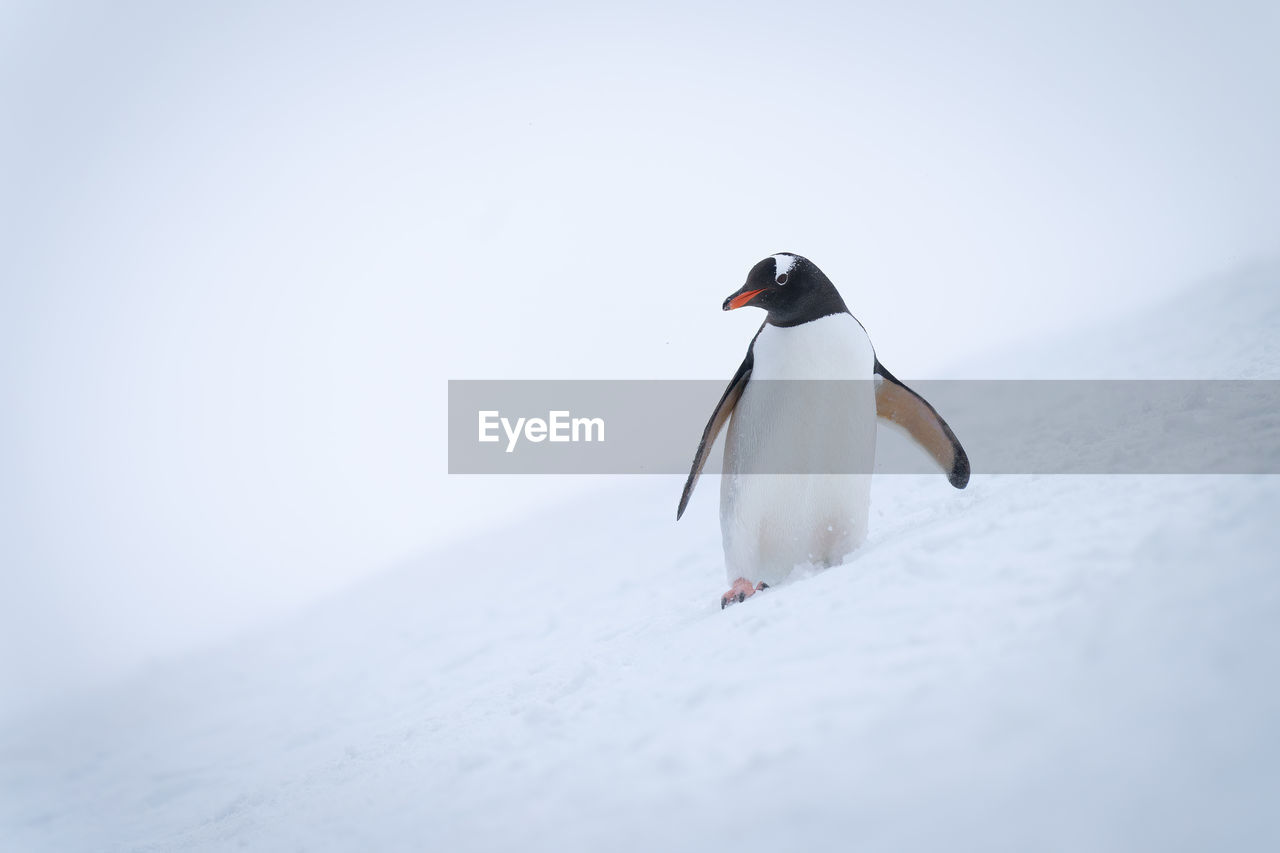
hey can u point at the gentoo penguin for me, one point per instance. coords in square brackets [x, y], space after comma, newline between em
[779, 508]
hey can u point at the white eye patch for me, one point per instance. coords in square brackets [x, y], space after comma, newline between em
[783, 265]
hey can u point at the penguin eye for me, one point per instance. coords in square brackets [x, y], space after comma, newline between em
[782, 279]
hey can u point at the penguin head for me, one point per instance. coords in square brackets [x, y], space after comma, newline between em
[791, 288]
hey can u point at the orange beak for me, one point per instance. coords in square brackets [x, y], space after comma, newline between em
[740, 299]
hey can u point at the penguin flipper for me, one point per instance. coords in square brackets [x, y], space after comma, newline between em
[718, 418]
[897, 403]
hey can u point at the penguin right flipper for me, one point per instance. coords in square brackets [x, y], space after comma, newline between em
[718, 418]
[898, 404]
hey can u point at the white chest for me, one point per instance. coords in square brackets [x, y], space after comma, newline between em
[792, 493]
[834, 347]
[800, 412]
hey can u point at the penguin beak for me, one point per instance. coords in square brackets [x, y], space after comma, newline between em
[742, 297]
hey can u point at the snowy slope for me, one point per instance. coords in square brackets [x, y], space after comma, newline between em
[1065, 663]
[1223, 328]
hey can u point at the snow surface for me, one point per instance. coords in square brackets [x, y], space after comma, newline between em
[1062, 663]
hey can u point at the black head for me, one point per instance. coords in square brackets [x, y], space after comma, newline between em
[790, 288]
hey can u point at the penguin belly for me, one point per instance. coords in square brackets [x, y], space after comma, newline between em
[773, 519]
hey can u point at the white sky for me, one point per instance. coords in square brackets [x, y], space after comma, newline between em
[243, 250]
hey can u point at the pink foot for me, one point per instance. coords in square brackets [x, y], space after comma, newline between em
[741, 591]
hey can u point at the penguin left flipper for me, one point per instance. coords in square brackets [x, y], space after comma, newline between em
[718, 418]
[898, 404]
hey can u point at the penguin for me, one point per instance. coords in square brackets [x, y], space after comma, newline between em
[779, 508]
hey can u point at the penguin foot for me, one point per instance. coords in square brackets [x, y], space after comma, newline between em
[741, 591]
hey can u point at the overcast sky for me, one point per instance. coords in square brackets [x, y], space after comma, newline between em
[243, 249]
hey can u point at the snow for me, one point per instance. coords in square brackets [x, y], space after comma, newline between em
[1081, 663]
[1221, 328]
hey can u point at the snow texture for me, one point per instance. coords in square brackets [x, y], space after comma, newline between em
[1063, 663]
